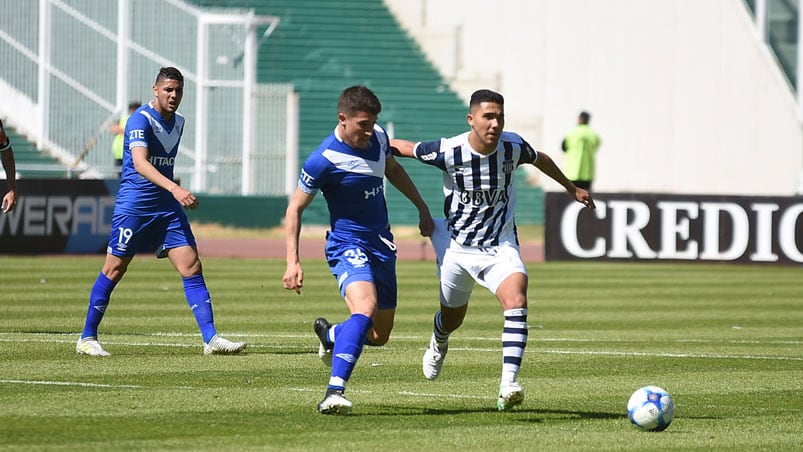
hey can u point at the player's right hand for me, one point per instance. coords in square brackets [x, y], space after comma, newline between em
[293, 278]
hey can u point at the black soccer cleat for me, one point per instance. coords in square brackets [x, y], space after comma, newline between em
[322, 327]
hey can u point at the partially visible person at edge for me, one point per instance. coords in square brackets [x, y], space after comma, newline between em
[118, 130]
[148, 216]
[477, 241]
[581, 145]
[349, 168]
[10, 168]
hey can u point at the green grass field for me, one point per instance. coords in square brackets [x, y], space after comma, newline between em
[724, 340]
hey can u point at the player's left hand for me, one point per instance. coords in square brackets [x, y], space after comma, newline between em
[184, 197]
[584, 197]
[9, 201]
[425, 223]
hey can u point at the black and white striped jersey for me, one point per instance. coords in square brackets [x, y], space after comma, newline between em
[479, 190]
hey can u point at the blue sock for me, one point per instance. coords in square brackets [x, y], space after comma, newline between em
[201, 304]
[98, 302]
[347, 350]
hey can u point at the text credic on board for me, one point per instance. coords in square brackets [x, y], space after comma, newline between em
[641, 226]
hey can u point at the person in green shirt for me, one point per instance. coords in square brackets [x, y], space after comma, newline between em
[580, 145]
[118, 129]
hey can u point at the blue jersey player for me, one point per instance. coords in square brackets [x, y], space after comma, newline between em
[148, 216]
[477, 241]
[349, 168]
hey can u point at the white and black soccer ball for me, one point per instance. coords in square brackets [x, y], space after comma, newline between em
[651, 408]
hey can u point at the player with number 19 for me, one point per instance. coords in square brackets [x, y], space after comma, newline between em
[148, 216]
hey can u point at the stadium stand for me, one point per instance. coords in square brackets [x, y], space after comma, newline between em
[30, 162]
[322, 47]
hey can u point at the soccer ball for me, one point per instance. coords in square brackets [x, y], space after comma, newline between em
[651, 408]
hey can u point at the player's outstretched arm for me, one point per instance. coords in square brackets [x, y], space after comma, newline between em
[548, 167]
[401, 180]
[402, 148]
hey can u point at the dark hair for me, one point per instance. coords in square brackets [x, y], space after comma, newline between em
[358, 98]
[134, 104]
[585, 117]
[169, 73]
[486, 95]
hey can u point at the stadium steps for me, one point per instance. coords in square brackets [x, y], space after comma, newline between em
[30, 163]
[323, 46]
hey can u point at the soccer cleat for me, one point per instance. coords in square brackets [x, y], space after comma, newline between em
[334, 403]
[433, 359]
[221, 346]
[321, 327]
[510, 395]
[90, 346]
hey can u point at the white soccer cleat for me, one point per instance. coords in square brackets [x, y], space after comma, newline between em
[334, 403]
[90, 346]
[219, 345]
[433, 359]
[510, 395]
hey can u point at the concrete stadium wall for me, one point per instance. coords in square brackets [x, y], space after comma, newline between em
[685, 96]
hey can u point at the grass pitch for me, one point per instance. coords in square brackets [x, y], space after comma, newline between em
[724, 340]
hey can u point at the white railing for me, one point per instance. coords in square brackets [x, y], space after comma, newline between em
[89, 59]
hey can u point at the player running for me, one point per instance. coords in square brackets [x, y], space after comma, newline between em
[349, 168]
[477, 241]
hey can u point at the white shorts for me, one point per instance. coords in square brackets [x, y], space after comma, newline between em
[460, 266]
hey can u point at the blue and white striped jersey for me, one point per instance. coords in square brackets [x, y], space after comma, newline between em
[479, 191]
[352, 182]
[146, 128]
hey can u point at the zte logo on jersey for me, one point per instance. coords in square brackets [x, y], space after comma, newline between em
[136, 135]
[376, 191]
[480, 197]
[306, 179]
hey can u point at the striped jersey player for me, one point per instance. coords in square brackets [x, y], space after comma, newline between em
[479, 193]
[477, 242]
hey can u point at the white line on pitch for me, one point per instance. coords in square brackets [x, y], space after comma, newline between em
[85, 385]
[534, 338]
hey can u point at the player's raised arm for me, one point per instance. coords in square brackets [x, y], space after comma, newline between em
[402, 148]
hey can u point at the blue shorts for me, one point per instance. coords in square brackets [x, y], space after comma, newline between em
[353, 259]
[132, 234]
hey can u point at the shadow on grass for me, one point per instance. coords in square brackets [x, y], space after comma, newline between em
[533, 414]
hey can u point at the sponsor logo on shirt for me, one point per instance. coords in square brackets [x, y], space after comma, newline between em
[376, 191]
[429, 156]
[483, 197]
